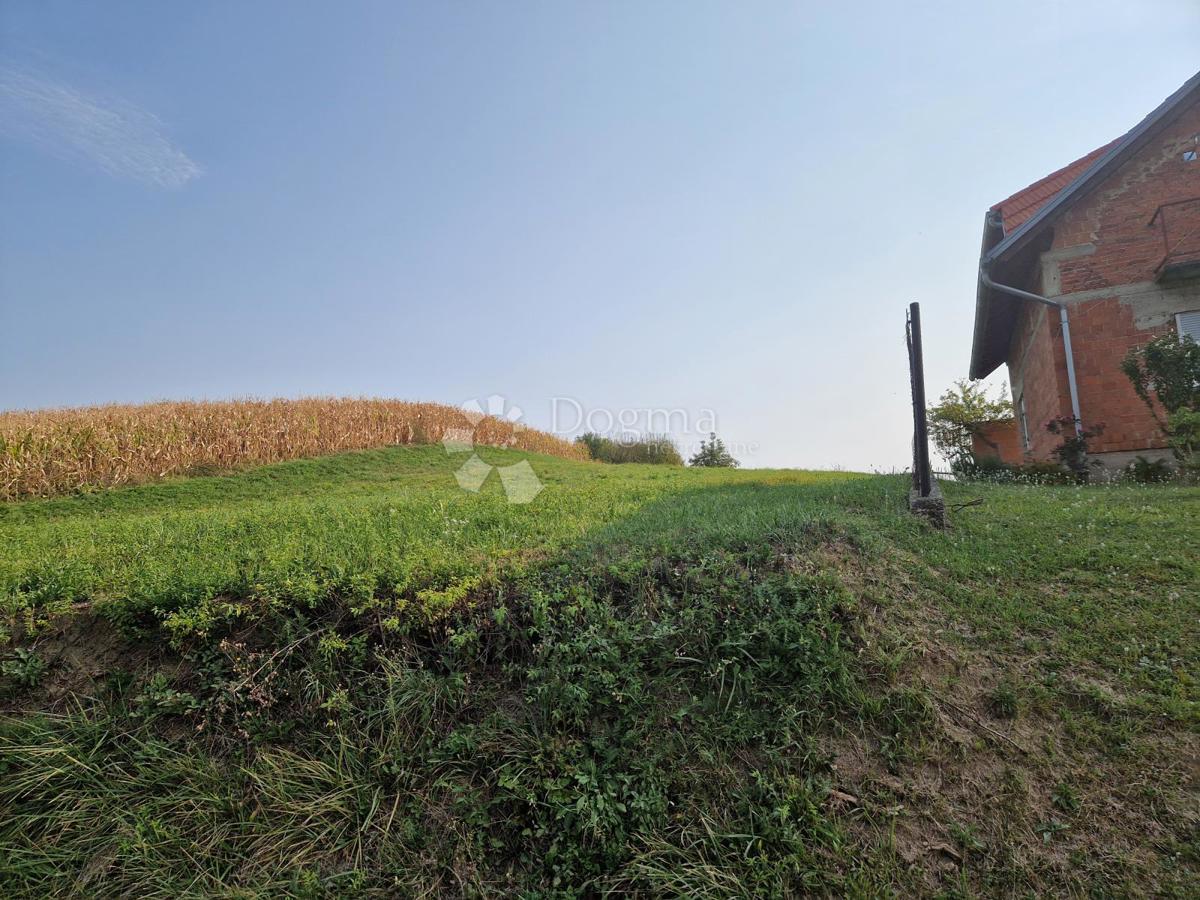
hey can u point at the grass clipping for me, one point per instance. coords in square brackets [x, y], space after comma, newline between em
[44, 453]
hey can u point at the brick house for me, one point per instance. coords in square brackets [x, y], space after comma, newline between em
[1079, 267]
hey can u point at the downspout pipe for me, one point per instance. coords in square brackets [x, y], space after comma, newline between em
[986, 280]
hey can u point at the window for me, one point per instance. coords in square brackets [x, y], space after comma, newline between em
[1188, 323]
[1024, 421]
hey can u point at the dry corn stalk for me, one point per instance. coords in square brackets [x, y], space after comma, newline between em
[55, 451]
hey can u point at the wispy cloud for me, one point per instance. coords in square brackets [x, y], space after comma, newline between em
[115, 136]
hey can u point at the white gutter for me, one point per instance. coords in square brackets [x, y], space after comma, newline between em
[1066, 333]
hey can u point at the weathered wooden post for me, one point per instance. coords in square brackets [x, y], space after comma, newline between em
[925, 497]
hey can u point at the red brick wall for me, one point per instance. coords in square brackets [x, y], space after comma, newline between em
[998, 439]
[1115, 217]
[1041, 376]
[1113, 302]
[1102, 331]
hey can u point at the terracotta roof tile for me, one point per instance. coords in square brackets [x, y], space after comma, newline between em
[1025, 203]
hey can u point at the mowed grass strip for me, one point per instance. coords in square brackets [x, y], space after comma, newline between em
[388, 524]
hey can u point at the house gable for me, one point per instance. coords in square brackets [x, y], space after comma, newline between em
[1118, 233]
[1011, 249]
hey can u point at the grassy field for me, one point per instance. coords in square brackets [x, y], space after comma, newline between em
[348, 677]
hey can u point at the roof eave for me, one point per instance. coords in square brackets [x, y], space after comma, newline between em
[981, 365]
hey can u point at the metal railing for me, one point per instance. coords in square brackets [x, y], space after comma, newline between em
[1179, 222]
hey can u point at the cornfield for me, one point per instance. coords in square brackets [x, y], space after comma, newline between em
[56, 451]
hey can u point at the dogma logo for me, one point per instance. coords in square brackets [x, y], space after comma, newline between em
[519, 481]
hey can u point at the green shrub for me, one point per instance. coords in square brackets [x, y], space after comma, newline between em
[1072, 452]
[712, 454]
[1166, 374]
[595, 444]
[21, 669]
[1183, 434]
[1148, 471]
[1166, 369]
[654, 449]
[985, 468]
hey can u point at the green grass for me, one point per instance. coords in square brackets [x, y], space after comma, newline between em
[1107, 576]
[347, 676]
[388, 523]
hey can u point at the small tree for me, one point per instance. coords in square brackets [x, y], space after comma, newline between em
[959, 415]
[712, 454]
[1166, 375]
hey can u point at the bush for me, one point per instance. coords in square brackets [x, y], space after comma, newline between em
[653, 449]
[1146, 471]
[712, 454]
[1183, 435]
[1073, 451]
[1072, 454]
[1167, 370]
[985, 468]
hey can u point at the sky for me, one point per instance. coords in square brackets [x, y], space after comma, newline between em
[707, 216]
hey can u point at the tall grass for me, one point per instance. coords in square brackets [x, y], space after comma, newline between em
[56, 451]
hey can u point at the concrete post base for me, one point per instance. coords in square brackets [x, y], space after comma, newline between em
[932, 507]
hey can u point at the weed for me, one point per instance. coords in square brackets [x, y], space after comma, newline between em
[159, 698]
[1147, 471]
[22, 667]
[966, 837]
[1003, 702]
[1048, 829]
[1066, 798]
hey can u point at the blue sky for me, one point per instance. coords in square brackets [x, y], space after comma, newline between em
[686, 206]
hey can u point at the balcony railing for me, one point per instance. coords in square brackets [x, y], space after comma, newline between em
[1179, 222]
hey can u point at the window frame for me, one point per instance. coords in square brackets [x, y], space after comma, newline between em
[1179, 332]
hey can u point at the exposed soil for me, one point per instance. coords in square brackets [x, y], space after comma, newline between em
[80, 651]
